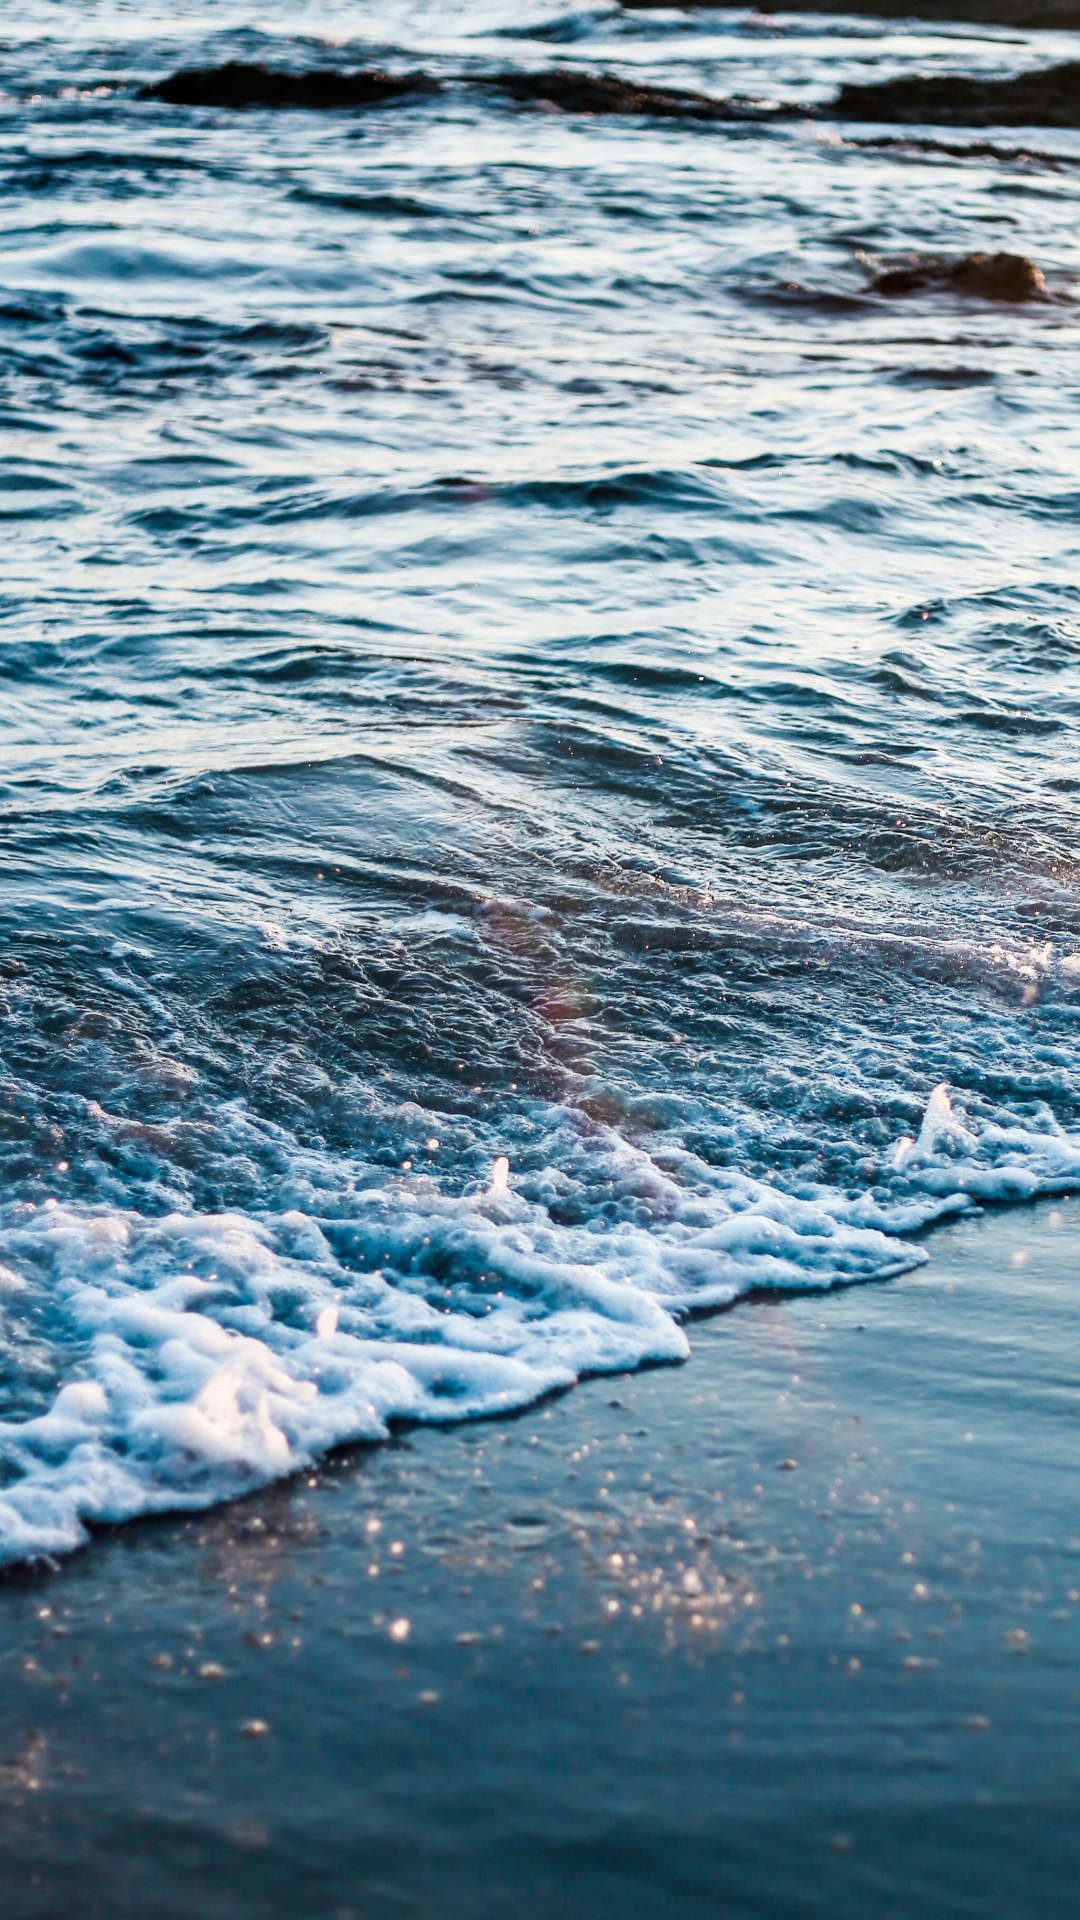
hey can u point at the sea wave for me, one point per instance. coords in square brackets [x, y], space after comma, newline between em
[205, 1354]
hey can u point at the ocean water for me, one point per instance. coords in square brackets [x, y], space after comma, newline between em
[538, 768]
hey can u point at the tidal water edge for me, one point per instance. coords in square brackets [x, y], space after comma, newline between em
[791, 1631]
[538, 793]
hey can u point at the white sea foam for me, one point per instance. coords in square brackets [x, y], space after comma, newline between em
[994, 1162]
[207, 1354]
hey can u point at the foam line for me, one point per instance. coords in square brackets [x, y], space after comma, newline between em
[209, 1354]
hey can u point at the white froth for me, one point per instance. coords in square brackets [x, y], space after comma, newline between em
[212, 1353]
[1006, 1163]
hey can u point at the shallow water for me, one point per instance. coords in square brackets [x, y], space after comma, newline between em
[510, 651]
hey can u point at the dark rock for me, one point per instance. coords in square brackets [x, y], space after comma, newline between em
[1062, 15]
[994, 276]
[998, 276]
[236, 85]
[323, 88]
[899, 280]
[1047, 98]
[604, 93]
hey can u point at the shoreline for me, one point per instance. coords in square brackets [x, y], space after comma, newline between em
[733, 1631]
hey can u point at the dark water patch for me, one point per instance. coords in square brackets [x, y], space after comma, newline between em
[854, 515]
[1049, 97]
[599, 497]
[97, 348]
[752, 463]
[993, 720]
[604, 494]
[948, 378]
[564, 31]
[970, 149]
[500, 290]
[32, 311]
[897, 677]
[96, 169]
[1061, 505]
[640, 673]
[394, 206]
[1048, 645]
[797, 294]
[982, 612]
[198, 468]
[20, 477]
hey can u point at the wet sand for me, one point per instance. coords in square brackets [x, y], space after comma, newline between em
[791, 1630]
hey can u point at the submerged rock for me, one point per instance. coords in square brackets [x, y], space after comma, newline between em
[237, 85]
[605, 93]
[1047, 98]
[1063, 15]
[994, 276]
